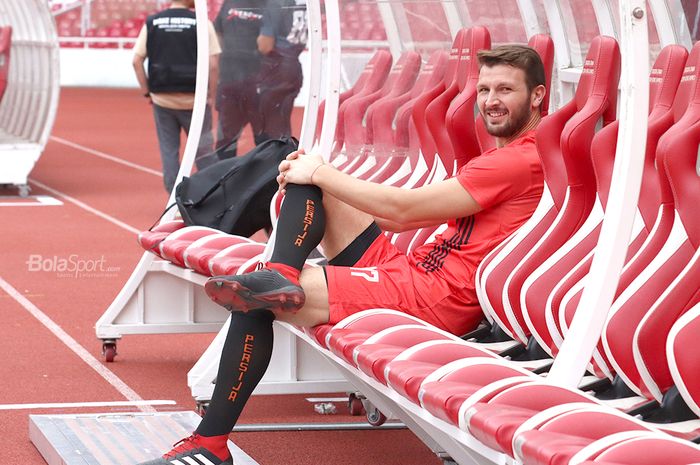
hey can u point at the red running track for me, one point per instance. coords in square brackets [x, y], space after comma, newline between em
[102, 163]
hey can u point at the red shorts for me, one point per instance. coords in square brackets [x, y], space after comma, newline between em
[385, 278]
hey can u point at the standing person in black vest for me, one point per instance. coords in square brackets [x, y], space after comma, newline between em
[238, 26]
[169, 40]
[282, 38]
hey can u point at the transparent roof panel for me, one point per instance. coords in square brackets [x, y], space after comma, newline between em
[361, 20]
[654, 42]
[424, 24]
[581, 26]
[501, 17]
[692, 15]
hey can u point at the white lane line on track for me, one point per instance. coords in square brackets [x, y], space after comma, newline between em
[106, 156]
[73, 345]
[86, 207]
[119, 403]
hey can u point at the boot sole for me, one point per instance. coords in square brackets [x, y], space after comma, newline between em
[232, 295]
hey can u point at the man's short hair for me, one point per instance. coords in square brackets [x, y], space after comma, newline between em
[517, 56]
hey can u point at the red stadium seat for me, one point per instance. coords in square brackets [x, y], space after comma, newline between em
[201, 251]
[429, 113]
[431, 78]
[375, 353]
[360, 110]
[173, 247]
[407, 371]
[563, 140]
[426, 141]
[656, 209]
[373, 75]
[683, 361]
[650, 450]
[636, 348]
[380, 114]
[371, 80]
[5, 45]
[229, 260]
[577, 252]
[439, 114]
[151, 239]
[566, 435]
[459, 117]
[347, 334]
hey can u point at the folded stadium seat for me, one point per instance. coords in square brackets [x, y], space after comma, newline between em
[406, 372]
[560, 439]
[198, 254]
[372, 356]
[375, 70]
[355, 118]
[173, 247]
[683, 362]
[544, 46]
[344, 336]
[649, 450]
[563, 140]
[576, 254]
[5, 44]
[532, 421]
[151, 239]
[229, 260]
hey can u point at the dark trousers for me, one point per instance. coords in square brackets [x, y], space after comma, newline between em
[169, 123]
[237, 102]
[280, 81]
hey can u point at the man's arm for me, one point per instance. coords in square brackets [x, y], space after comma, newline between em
[270, 22]
[431, 204]
[214, 54]
[213, 78]
[392, 226]
[140, 54]
[138, 63]
[266, 44]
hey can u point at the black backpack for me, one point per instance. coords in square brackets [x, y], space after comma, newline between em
[233, 195]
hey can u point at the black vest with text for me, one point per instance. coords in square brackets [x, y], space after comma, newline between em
[172, 51]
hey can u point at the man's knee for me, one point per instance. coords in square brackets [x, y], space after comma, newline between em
[316, 309]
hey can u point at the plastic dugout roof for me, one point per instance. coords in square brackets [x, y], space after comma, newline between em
[426, 25]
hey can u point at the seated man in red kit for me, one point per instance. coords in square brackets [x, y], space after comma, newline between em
[488, 199]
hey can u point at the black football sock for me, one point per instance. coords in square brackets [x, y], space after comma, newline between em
[244, 359]
[300, 227]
